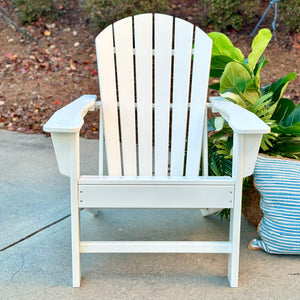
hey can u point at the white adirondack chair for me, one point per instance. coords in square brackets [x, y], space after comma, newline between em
[153, 74]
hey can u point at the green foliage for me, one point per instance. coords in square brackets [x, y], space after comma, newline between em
[240, 80]
[240, 83]
[226, 14]
[30, 10]
[290, 14]
[105, 12]
[287, 116]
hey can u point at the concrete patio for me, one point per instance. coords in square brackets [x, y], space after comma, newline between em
[35, 257]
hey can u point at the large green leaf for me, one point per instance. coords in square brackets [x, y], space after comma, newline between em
[284, 108]
[259, 45]
[217, 65]
[292, 130]
[262, 62]
[251, 96]
[289, 147]
[293, 118]
[216, 123]
[260, 103]
[235, 98]
[252, 90]
[223, 46]
[234, 80]
[278, 87]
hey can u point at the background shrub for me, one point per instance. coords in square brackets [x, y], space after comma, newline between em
[30, 10]
[105, 12]
[226, 14]
[290, 14]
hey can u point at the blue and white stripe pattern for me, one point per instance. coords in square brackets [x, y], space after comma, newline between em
[278, 181]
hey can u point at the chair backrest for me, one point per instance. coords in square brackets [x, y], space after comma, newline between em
[153, 75]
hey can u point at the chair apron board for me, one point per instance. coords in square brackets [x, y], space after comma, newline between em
[149, 192]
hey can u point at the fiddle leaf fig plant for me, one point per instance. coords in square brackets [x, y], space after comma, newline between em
[240, 82]
[240, 79]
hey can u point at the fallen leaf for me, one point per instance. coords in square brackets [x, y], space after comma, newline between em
[72, 65]
[47, 32]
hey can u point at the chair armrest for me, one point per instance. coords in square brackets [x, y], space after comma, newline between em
[239, 119]
[69, 119]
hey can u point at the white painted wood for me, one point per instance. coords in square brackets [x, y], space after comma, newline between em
[200, 75]
[101, 142]
[160, 191]
[75, 212]
[154, 195]
[63, 143]
[108, 93]
[205, 146]
[154, 247]
[252, 145]
[70, 117]
[155, 180]
[125, 75]
[239, 119]
[143, 59]
[183, 36]
[238, 158]
[206, 211]
[244, 122]
[163, 30]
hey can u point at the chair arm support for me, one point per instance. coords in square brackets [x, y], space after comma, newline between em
[69, 119]
[239, 119]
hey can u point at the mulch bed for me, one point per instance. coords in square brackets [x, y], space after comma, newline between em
[36, 80]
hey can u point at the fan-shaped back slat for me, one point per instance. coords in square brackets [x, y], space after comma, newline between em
[146, 73]
[108, 93]
[125, 76]
[201, 63]
[181, 81]
[143, 60]
[163, 31]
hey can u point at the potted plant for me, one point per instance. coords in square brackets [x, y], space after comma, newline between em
[239, 81]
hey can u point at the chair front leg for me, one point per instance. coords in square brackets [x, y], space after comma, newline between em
[75, 212]
[235, 213]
